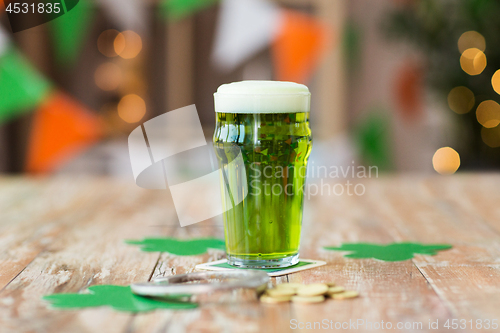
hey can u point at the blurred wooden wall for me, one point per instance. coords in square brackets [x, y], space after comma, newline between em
[177, 69]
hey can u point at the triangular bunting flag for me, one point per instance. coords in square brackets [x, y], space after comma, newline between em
[179, 9]
[3, 5]
[127, 14]
[299, 47]
[245, 27]
[61, 129]
[21, 86]
[69, 32]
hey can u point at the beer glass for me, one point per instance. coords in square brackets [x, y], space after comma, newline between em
[267, 122]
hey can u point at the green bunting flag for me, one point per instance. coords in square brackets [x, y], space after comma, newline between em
[22, 87]
[179, 9]
[69, 31]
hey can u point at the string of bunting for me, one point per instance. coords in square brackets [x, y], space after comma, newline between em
[63, 128]
[298, 41]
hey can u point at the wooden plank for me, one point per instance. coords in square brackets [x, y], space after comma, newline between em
[472, 197]
[34, 215]
[449, 210]
[78, 227]
[90, 251]
[331, 74]
[179, 63]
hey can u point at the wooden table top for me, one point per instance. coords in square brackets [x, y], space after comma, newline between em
[61, 235]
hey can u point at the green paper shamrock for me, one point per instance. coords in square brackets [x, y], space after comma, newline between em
[119, 298]
[390, 252]
[179, 247]
[373, 139]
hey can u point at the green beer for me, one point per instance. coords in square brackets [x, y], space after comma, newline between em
[263, 230]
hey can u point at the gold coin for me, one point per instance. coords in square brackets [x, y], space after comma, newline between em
[308, 300]
[346, 295]
[274, 300]
[314, 289]
[290, 285]
[335, 290]
[281, 292]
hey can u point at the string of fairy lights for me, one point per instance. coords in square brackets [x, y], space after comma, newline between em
[462, 100]
[120, 73]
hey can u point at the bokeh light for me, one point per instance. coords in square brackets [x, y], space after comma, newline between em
[446, 161]
[473, 61]
[495, 81]
[488, 114]
[108, 76]
[105, 42]
[131, 108]
[128, 44]
[491, 136]
[461, 99]
[471, 39]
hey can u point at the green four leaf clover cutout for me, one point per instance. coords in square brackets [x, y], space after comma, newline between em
[119, 298]
[179, 247]
[389, 252]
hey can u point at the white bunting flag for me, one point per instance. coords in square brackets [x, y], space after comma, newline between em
[245, 27]
[4, 40]
[127, 14]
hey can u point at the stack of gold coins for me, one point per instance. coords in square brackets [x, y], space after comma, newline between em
[306, 293]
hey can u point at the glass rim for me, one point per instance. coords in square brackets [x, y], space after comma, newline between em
[263, 94]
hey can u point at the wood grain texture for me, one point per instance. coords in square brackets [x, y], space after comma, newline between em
[390, 291]
[460, 211]
[63, 235]
[87, 250]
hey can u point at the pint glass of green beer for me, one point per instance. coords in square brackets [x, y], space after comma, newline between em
[267, 122]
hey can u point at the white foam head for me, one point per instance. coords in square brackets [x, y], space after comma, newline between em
[262, 97]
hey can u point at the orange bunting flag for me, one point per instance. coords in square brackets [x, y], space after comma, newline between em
[299, 47]
[62, 128]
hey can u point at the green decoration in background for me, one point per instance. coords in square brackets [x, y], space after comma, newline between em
[372, 136]
[390, 252]
[433, 28]
[179, 9]
[21, 87]
[70, 4]
[69, 31]
[119, 298]
[351, 43]
[179, 247]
